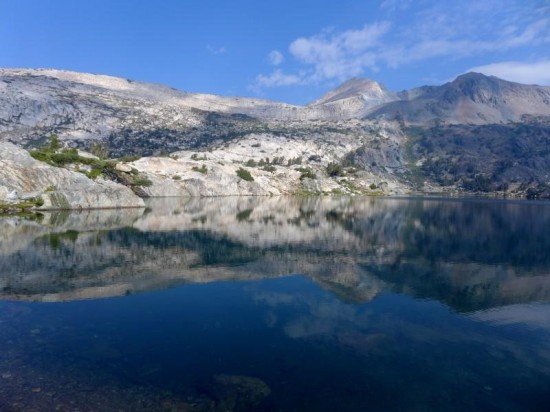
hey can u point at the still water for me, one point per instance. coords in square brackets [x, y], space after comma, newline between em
[278, 304]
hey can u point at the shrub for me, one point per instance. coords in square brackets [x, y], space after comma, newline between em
[373, 186]
[203, 169]
[334, 169]
[142, 181]
[65, 157]
[295, 161]
[54, 142]
[277, 160]
[195, 156]
[54, 158]
[41, 155]
[92, 174]
[244, 174]
[306, 173]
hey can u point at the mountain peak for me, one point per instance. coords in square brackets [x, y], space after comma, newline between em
[366, 89]
[471, 76]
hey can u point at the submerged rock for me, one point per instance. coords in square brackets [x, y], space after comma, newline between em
[238, 393]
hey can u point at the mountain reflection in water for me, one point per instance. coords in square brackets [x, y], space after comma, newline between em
[348, 304]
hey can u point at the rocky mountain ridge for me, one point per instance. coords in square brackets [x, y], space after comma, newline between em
[471, 98]
[358, 138]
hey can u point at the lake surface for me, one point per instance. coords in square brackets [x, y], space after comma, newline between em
[278, 304]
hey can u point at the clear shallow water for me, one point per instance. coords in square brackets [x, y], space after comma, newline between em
[278, 305]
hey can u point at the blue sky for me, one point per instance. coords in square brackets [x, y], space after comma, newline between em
[286, 50]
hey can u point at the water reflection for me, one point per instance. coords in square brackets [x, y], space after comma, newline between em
[471, 255]
[275, 304]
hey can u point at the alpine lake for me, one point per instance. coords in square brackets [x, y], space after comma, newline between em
[278, 304]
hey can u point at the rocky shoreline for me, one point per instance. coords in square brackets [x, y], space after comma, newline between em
[257, 165]
[26, 183]
[30, 184]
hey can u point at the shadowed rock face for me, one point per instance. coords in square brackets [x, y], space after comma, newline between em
[471, 255]
[472, 98]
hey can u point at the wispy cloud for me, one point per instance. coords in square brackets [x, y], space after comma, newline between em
[277, 78]
[216, 50]
[339, 55]
[434, 30]
[275, 57]
[330, 56]
[530, 73]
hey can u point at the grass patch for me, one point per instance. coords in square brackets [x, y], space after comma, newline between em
[22, 206]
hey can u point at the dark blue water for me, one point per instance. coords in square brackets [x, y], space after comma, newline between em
[278, 305]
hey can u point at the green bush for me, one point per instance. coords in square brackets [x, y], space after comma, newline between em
[334, 169]
[141, 181]
[373, 186]
[203, 169]
[56, 158]
[295, 161]
[41, 155]
[92, 174]
[195, 156]
[54, 142]
[244, 174]
[67, 156]
[306, 173]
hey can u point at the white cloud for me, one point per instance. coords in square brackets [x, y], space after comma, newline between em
[216, 50]
[339, 55]
[529, 73]
[278, 78]
[275, 57]
[430, 30]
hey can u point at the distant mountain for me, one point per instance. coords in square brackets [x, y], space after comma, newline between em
[357, 95]
[472, 98]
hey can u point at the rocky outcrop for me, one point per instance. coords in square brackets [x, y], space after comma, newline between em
[278, 165]
[23, 178]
